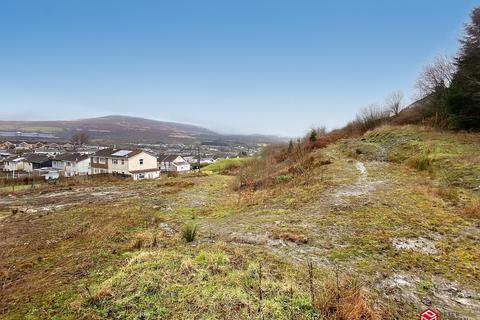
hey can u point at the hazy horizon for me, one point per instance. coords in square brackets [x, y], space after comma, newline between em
[270, 67]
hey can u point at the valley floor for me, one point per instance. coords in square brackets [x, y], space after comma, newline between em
[387, 240]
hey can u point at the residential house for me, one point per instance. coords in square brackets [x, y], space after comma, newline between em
[13, 163]
[49, 152]
[36, 161]
[4, 154]
[72, 164]
[173, 163]
[68, 146]
[38, 145]
[23, 147]
[7, 145]
[137, 163]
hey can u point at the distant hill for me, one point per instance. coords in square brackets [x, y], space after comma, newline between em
[123, 129]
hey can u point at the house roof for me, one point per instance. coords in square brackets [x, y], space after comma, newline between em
[167, 157]
[144, 170]
[180, 163]
[117, 153]
[14, 158]
[5, 154]
[74, 157]
[36, 158]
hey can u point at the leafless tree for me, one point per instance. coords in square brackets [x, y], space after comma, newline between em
[79, 138]
[371, 117]
[394, 103]
[435, 77]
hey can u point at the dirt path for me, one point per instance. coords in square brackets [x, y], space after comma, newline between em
[252, 228]
[342, 196]
[328, 227]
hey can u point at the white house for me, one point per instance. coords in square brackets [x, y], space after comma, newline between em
[72, 164]
[13, 163]
[137, 163]
[173, 163]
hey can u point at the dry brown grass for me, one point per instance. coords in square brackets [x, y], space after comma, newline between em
[346, 299]
[290, 236]
[472, 210]
[446, 193]
[329, 138]
[150, 239]
[173, 185]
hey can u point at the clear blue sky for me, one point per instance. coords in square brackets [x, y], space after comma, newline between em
[239, 66]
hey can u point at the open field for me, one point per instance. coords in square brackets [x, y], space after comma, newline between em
[398, 232]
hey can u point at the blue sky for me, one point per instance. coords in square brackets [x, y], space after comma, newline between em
[249, 66]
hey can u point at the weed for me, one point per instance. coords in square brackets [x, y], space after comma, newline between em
[189, 231]
[424, 286]
[282, 178]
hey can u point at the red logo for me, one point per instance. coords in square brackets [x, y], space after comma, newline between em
[429, 314]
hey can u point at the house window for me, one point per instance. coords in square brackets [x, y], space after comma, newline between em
[140, 161]
[123, 161]
[101, 160]
[97, 161]
[115, 161]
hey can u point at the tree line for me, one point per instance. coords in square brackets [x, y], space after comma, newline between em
[450, 87]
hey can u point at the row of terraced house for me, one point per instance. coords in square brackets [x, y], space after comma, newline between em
[139, 164]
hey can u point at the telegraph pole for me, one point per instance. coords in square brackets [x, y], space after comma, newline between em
[198, 157]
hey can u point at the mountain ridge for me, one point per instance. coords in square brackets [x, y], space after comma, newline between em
[121, 128]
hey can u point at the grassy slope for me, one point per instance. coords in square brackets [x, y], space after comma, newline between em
[127, 260]
[225, 164]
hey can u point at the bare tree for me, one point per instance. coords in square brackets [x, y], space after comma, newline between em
[432, 85]
[79, 138]
[371, 117]
[394, 103]
[435, 77]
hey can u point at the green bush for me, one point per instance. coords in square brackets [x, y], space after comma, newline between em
[189, 231]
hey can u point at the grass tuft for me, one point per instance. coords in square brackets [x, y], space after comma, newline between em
[189, 231]
[421, 163]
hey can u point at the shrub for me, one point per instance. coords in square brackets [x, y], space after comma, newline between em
[328, 138]
[371, 117]
[189, 231]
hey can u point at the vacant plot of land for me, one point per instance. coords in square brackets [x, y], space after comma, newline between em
[362, 237]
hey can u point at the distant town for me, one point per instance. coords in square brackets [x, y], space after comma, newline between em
[27, 157]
